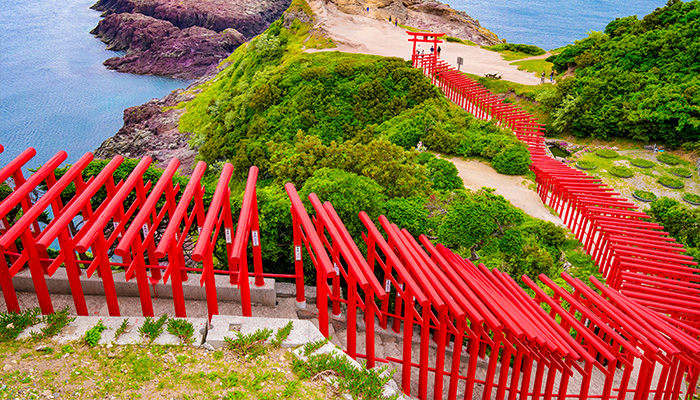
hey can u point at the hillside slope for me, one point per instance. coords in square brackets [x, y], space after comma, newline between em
[640, 79]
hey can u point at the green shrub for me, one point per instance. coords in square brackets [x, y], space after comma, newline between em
[409, 213]
[644, 195]
[444, 175]
[669, 159]
[520, 48]
[12, 324]
[583, 164]
[691, 146]
[349, 194]
[671, 182]
[152, 328]
[620, 171]
[642, 163]
[682, 172]
[94, 334]
[181, 328]
[513, 160]
[692, 198]
[605, 153]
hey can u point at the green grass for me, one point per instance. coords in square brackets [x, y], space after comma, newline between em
[181, 328]
[645, 195]
[151, 328]
[412, 29]
[94, 334]
[452, 39]
[134, 371]
[535, 66]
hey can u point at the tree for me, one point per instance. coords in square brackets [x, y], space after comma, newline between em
[348, 193]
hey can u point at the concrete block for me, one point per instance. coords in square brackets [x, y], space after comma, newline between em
[75, 330]
[27, 333]
[286, 290]
[226, 326]
[192, 289]
[200, 331]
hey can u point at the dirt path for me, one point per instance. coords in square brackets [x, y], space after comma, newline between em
[476, 174]
[359, 34]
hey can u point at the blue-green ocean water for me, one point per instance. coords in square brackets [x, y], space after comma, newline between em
[550, 23]
[55, 94]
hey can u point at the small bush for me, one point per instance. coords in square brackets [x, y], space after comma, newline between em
[520, 48]
[682, 172]
[282, 334]
[94, 334]
[252, 345]
[181, 328]
[586, 165]
[643, 195]
[122, 328]
[151, 328]
[513, 160]
[691, 146]
[671, 182]
[642, 163]
[605, 153]
[691, 198]
[669, 159]
[54, 324]
[621, 172]
[12, 324]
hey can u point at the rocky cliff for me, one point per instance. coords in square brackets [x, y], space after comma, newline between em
[151, 129]
[180, 38]
[428, 15]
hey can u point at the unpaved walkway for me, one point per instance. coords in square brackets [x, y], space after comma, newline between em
[515, 189]
[360, 34]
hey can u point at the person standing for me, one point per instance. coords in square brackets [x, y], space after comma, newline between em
[438, 51]
[390, 18]
[396, 21]
[551, 76]
[432, 50]
[544, 73]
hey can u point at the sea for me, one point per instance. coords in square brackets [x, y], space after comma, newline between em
[55, 94]
[550, 24]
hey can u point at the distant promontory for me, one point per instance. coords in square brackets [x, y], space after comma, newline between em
[180, 38]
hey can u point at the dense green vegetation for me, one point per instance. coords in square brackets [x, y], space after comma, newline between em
[344, 126]
[640, 79]
[681, 221]
[517, 48]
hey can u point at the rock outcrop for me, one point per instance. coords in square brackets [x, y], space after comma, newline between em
[180, 38]
[151, 129]
[428, 15]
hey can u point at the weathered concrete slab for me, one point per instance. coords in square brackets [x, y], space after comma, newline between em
[75, 331]
[223, 326]
[192, 289]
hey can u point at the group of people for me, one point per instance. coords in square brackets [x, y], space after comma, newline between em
[432, 50]
[396, 20]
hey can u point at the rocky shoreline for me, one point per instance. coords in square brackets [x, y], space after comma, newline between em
[182, 39]
[187, 39]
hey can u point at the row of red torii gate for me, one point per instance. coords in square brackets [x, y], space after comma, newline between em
[636, 336]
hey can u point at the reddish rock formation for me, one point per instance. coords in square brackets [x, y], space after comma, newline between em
[180, 38]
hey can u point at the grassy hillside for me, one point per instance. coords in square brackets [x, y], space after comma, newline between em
[640, 79]
[344, 126]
